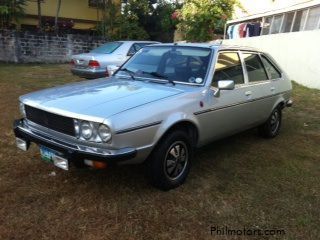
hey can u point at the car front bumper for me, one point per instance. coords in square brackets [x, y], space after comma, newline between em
[73, 152]
[89, 73]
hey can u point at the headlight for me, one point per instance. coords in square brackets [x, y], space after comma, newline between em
[86, 130]
[104, 133]
[22, 110]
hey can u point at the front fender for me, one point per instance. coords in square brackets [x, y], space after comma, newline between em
[172, 120]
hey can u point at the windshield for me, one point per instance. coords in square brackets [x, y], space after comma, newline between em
[107, 48]
[172, 63]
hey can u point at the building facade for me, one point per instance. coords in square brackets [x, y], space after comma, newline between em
[290, 34]
[80, 15]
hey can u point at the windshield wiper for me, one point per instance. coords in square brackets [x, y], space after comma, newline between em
[160, 76]
[131, 73]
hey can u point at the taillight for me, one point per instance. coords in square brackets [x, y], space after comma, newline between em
[72, 62]
[94, 64]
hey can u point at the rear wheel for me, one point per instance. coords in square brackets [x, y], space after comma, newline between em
[169, 164]
[271, 127]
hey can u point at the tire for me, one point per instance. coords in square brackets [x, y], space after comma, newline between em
[169, 164]
[271, 127]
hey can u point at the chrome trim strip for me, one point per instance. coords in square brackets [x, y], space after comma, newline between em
[239, 103]
[138, 127]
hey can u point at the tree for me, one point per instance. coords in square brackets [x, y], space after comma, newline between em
[11, 10]
[159, 24]
[200, 19]
[39, 14]
[56, 26]
[154, 16]
[139, 19]
[116, 25]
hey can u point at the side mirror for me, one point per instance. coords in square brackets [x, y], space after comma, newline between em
[224, 85]
[130, 54]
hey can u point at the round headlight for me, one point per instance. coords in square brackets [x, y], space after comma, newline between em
[86, 130]
[104, 133]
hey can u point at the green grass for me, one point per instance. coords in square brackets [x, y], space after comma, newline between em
[241, 181]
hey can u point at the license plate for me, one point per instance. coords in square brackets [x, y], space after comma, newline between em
[55, 157]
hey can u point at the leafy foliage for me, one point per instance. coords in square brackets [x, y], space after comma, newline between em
[200, 19]
[160, 24]
[140, 19]
[11, 10]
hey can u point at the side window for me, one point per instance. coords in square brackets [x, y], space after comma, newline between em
[138, 46]
[255, 69]
[228, 67]
[132, 50]
[271, 69]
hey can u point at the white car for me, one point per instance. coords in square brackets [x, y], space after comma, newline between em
[104, 60]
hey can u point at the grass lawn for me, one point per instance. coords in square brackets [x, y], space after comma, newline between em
[242, 181]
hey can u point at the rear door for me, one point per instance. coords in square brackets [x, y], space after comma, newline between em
[260, 87]
[274, 75]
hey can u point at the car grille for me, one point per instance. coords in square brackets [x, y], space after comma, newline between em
[50, 120]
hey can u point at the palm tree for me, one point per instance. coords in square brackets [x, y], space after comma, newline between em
[57, 15]
[39, 15]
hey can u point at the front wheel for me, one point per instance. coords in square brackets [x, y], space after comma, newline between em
[169, 164]
[271, 127]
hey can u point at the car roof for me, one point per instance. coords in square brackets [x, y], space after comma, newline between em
[216, 46]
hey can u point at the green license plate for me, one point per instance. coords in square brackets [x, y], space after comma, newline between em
[55, 157]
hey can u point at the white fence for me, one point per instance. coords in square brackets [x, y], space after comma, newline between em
[298, 53]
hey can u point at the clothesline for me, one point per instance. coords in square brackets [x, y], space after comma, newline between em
[243, 30]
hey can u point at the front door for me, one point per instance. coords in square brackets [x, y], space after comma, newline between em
[231, 111]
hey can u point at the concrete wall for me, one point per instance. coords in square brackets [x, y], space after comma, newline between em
[298, 53]
[43, 48]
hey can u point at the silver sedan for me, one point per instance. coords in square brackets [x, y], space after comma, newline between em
[104, 60]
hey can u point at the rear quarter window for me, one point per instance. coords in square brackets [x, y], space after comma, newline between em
[273, 72]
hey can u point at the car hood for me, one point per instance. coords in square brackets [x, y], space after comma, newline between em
[98, 99]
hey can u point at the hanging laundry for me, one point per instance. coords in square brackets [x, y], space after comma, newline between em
[235, 33]
[242, 30]
[256, 29]
[250, 30]
[230, 31]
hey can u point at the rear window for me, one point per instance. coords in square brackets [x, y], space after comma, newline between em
[107, 48]
[271, 69]
[254, 67]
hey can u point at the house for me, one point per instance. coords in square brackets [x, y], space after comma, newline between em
[290, 33]
[79, 15]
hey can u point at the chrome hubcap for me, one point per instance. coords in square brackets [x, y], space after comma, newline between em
[176, 160]
[275, 121]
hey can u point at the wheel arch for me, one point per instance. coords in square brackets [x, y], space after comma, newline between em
[187, 125]
[281, 102]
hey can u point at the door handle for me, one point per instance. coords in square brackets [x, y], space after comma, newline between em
[248, 93]
[272, 89]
